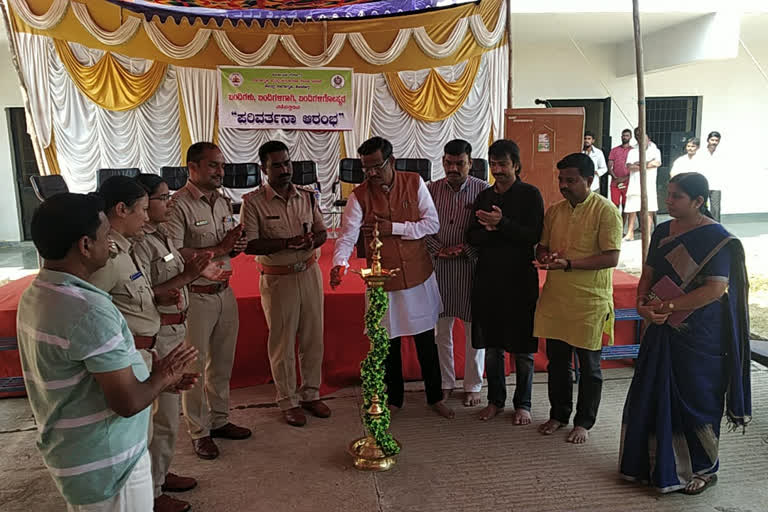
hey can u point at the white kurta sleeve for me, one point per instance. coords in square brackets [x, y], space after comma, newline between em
[428, 223]
[351, 221]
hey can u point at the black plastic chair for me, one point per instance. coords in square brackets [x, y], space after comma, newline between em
[422, 166]
[46, 187]
[479, 169]
[175, 177]
[241, 175]
[104, 174]
[304, 173]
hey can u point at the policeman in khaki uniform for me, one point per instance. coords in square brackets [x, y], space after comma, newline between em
[169, 275]
[126, 279]
[284, 228]
[201, 220]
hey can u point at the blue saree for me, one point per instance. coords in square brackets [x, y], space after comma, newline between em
[686, 377]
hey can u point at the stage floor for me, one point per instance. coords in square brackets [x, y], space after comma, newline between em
[345, 343]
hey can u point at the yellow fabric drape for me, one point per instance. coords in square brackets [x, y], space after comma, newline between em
[107, 83]
[51, 157]
[436, 99]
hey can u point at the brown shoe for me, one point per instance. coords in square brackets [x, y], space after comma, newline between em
[231, 431]
[205, 448]
[295, 417]
[165, 503]
[176, 483]
[317, 408]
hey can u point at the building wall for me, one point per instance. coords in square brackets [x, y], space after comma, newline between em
[734, 101]
[10, 96]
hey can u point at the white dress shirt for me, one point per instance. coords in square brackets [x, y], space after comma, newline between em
[685, 164]
[711, 166]
[598, 158]
[633, 188]
[413, 310]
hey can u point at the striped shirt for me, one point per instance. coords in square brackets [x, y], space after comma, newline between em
[454, 276]
[67, 331]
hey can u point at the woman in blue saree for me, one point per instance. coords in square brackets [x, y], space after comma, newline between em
[687, 375]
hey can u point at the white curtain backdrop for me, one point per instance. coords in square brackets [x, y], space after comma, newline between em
[498, 79]
[362, 92]
[89, 137]
[199, 93]
[417, 139]
[240, 146]
[34, 52]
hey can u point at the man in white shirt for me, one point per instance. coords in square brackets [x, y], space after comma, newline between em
[401, 205]
[690, 161]
[652, 163]
[712, 167]
[598, 158]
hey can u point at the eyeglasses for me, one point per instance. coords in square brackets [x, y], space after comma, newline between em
[161, 197]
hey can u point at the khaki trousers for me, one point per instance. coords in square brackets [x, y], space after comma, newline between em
[293, 305]
[165, 420]
[212, 322]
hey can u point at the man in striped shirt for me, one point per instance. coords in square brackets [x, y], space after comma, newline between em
[454, 197]
[88, 387]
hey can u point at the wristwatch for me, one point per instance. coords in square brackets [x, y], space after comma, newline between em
[567, 266]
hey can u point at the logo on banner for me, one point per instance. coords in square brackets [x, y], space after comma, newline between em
[236, 79]
[337, 81]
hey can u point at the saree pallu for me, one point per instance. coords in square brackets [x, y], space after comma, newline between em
[687, 376]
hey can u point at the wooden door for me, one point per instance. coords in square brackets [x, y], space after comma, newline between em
[545, 136]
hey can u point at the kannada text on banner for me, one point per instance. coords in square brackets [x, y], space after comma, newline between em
[286, 98]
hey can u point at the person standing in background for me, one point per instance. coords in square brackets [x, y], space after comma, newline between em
[712, 167]
[688, 162]
[598, 158]
[617, 168]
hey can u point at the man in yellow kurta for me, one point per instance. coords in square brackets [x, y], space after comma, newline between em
[579, 247]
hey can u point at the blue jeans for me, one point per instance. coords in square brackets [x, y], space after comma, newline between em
[497, 386]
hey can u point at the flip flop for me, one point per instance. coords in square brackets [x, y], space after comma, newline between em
[707, 484]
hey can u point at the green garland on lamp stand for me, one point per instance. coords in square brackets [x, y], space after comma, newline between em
[372, 372]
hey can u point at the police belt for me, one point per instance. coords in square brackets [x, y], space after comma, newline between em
[281, 270]
[144, 342]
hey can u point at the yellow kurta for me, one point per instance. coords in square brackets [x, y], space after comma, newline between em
[577, 306]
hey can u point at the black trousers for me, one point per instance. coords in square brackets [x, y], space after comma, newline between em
[560, 385]
[426, 350]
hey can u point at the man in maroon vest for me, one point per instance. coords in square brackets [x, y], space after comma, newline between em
[402, 206]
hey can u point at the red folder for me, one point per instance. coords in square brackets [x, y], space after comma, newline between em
[666, 290]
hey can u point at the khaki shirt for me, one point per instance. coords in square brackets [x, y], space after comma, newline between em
[267, 215]
[197, 224]
[155, 252]
[127, 283]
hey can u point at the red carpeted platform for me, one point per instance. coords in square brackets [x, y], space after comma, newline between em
[345, 344]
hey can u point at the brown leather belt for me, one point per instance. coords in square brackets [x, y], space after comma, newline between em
[281, 270]
[210, 289]
[144, 342]
[172, 318]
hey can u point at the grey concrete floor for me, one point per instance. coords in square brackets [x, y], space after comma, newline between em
[458, 465]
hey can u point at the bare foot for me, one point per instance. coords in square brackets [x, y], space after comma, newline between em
[550, 427]
[443, 410]
[490, 411]
[393, 409]
[447, 393]
[471, 399]
[521, 417]
[578, 435]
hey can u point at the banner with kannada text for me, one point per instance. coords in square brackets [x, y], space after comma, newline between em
[286, 98]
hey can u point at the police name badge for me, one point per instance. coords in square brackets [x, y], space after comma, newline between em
[199, 223]
[168, 257]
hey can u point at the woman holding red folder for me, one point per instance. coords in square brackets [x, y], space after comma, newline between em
[694, 357]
